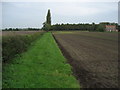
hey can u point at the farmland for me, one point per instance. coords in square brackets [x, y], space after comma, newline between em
[77, 50]
[93, 56]
[41, 66]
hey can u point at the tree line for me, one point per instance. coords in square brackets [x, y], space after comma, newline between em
[82, 27]
[69, 27]
[20, 29]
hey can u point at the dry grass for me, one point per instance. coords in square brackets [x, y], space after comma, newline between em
[12, 33]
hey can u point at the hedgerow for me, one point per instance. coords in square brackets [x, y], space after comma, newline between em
[14, 45]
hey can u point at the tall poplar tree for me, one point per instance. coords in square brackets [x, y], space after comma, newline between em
[48, 17]
[47, 23]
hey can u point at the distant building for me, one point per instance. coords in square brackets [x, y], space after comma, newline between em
[111, 28]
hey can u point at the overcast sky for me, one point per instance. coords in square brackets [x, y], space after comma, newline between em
[32, 14]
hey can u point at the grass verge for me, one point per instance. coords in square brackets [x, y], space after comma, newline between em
[42, 66]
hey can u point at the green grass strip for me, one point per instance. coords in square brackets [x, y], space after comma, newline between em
[42, 66]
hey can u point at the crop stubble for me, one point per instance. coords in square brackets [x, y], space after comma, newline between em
[94, 57]
[12, 33]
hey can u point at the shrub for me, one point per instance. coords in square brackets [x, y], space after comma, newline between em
[13, 45]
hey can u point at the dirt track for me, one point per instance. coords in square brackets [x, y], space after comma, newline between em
[94, 57]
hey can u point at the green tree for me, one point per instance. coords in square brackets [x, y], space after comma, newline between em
[93, 26]
[101, 28]
[47, 24]
[48, 18]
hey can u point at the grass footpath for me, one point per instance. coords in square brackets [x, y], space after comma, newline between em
[42, 66]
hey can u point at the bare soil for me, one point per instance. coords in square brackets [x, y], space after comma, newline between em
[93, 56]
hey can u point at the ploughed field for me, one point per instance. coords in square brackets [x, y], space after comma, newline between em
[93, 55]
